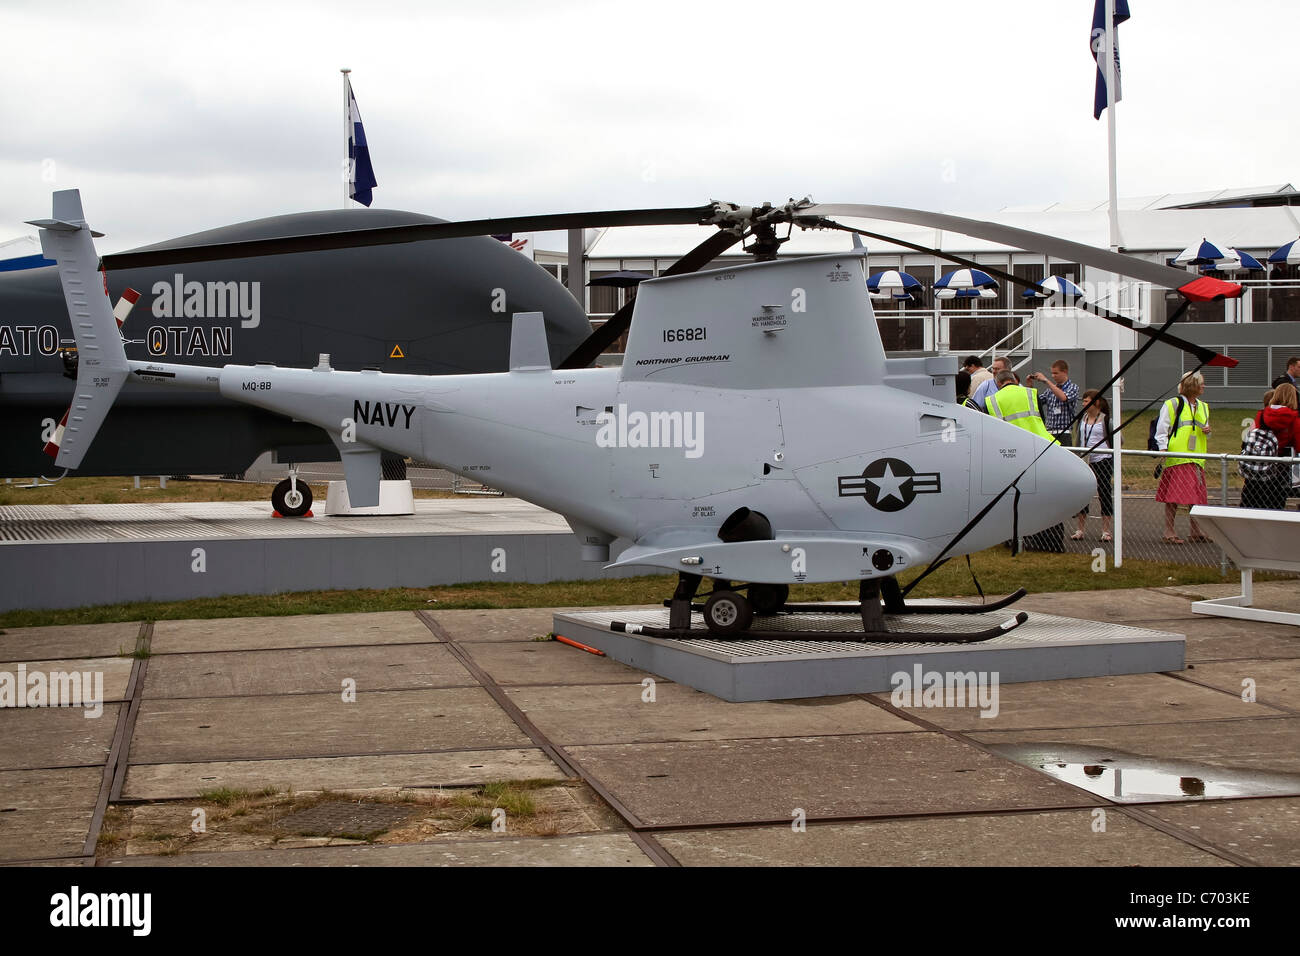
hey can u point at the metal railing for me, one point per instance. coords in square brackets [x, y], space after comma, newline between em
[1025, 331]
[1139, 517]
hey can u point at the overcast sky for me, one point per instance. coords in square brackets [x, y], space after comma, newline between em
[175, 117]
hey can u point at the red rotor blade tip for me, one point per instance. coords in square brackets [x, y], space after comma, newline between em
[1206, 289]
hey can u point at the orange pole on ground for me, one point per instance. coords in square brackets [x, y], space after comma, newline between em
[581, 647]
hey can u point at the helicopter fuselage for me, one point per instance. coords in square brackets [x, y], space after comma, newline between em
[665, 464]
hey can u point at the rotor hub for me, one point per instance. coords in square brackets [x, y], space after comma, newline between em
[759, 222]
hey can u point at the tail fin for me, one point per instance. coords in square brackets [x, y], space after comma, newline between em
[101, 360]
[792, 323]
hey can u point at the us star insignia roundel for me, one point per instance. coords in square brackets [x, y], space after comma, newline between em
[889, 484]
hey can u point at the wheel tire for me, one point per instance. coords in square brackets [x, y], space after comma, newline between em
[727, 613]
[768, 598]
[290, 503]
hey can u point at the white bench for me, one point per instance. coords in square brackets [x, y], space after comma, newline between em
[1256, 540]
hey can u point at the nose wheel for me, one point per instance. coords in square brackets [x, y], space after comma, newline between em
[727, 613]
[292, 497]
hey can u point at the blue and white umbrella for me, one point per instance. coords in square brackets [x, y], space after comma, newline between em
[1053, 285]
[966, 284]
[966, 294]
[1240, 262]
[1287, 255]
[1204, 253]
[894, 285]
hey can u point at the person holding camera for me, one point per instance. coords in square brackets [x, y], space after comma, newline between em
[1060, 400]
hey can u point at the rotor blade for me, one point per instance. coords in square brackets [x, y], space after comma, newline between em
[618, 323]
[703, 254]
[1207, 356]
[412, 232]
[1152, 272]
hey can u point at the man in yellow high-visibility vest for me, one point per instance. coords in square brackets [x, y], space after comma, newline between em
[1015, 403]
[1018, 405]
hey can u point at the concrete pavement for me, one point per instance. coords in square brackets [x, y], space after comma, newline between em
[412, 706]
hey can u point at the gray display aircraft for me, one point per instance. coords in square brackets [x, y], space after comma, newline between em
[756, 432]
[420, 306]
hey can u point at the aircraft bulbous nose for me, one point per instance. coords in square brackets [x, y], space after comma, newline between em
[1072, 482]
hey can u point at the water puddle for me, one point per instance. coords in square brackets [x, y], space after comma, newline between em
[1129, 778]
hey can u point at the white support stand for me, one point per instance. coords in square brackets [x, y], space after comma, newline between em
[1255, 540]
[395, 498]
[1240, 606]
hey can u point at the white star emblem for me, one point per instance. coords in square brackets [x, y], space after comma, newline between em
[889, 485]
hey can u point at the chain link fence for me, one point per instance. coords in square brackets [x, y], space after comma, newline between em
[1139, 526]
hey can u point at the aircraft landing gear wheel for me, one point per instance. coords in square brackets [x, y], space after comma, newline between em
[768, 598]
[727, 613]
[291, 501]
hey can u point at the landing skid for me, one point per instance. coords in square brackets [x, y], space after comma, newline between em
[728, 613]
[863, 637]
[1007, 601]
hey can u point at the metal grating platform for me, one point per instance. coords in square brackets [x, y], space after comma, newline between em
[61, 556]
[237, 519]
[1046, 647]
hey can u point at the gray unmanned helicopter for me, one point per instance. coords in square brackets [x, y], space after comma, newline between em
[756, 432]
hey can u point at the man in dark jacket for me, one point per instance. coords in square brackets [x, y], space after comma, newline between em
[1292, 374]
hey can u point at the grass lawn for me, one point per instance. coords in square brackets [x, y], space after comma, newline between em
[999, 573]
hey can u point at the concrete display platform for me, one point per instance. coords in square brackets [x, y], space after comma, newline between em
[1046, 647]
[62, 556]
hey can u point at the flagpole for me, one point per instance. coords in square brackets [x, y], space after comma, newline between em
[1111, 99]
[347, 135]
[1117, 441]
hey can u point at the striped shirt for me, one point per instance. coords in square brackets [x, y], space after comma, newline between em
[1057, 414]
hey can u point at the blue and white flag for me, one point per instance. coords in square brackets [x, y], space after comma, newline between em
[1098, 43]
[361, 176]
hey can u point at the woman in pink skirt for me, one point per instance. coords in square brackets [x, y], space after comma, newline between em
[1184, 426]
